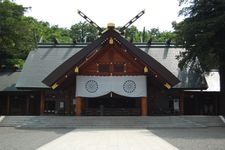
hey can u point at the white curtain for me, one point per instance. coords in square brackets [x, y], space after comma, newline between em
[95, 86]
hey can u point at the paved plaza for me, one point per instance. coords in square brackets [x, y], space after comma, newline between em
[212, 138]
[109, 140]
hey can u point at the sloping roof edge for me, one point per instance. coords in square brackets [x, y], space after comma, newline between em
[149, 60]
[68, 64]
[58, 72]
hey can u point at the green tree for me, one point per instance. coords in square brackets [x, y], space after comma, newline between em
[83, 32]
[163, 36]
[45, 33]
[154, 34]
[16, 35]
[202, 33]
[132, 34]
[61, 34]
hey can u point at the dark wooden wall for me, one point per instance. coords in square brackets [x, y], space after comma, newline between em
[112, 55]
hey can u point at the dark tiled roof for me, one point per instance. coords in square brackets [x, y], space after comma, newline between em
[167, 57]
[150, 61]
[41, 62]
[45, 59]
[8, 80]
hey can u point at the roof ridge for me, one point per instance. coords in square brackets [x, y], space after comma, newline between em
[55, 75]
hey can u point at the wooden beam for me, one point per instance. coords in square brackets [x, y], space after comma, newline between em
[78, 106]
[8, 105]
[42, 103]
[144, 106]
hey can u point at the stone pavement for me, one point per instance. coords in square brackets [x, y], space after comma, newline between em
[116, 122]
[210, 138]
[112, 133]
[109, 139]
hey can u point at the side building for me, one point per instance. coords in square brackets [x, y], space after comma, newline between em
[110, 76]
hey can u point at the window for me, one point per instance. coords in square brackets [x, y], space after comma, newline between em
[118, 67]
[103, 67]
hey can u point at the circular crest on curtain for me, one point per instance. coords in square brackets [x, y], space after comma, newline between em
[91, 86]
[129, 86]
[95, 86]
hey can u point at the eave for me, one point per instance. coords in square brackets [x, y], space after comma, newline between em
[56, 77]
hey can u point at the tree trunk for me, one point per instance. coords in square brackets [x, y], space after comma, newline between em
[222, 90]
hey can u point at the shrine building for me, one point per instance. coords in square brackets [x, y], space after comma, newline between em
[107, 77]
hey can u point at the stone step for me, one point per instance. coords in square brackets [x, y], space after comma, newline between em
[111, 121]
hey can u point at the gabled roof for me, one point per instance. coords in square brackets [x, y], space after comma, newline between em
[167, 57]
[41, 62]
[72, 61]
[213, 81]
[47, 57]
[8, 80]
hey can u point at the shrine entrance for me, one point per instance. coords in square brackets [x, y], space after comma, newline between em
[112, 106]
[111, 95]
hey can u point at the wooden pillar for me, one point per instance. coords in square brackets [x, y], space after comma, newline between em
[27, 104]
[182, 103]
[154, 95]
[8, 105]
[78, 106]
[144, 106]
[42, 103]
[155, 100]
[67, 102]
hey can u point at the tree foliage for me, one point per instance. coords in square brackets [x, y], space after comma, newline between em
[154, 34]
[83, 32]
[20, 34]
[202, 33]
[16, 36]
[45, 33]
